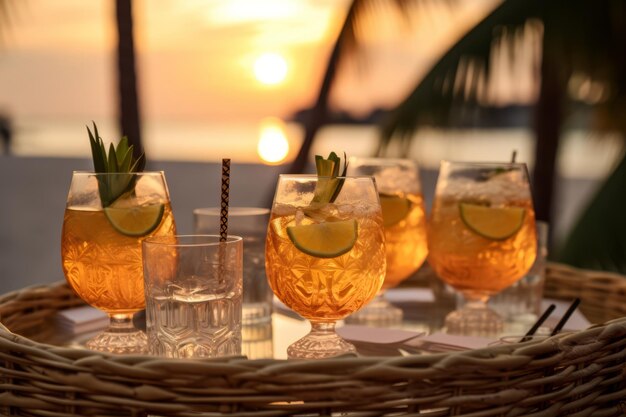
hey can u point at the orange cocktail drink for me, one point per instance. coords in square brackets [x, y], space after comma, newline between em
[404, 222]
[103, 265]
[107, 216]
[325, 254]
[405, 235]
[325, 288]
[481, 237]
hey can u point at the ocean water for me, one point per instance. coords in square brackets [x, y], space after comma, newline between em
[582, 155]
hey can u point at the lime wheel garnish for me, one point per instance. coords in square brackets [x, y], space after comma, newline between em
[395, 209]
[324, 240]
[135, 220]
[490, 222]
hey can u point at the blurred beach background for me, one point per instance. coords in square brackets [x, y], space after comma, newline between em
[232, 78]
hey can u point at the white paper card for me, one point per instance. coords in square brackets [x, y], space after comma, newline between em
[82, 319]
[365, 334]
[577, 320]
[410, 295]
[453, 341]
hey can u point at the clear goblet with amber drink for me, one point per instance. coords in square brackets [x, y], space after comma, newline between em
[101, 250]
[325, 256]
[481, 237]
[404, 221]
[107, 216]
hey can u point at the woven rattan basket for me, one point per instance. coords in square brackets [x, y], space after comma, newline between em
[576, 374]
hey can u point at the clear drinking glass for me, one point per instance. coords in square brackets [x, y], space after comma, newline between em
[481, 237]
[193, 295]
[251, 224]
[520, 304]
[404, 219]
[325, 260]
[101, 247]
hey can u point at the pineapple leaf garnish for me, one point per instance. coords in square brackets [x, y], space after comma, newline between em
[119, 160]
[328, 185]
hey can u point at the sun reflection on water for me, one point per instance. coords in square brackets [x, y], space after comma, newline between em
[273, 146]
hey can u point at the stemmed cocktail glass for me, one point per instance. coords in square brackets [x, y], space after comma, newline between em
[402, 204]
[101, 247]
[325, 260]
[481, 237]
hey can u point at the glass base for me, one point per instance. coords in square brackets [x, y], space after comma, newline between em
[321, 342]
[257, 342]
[474, 319]
[256, 313]
[120, 338]
[378, 313]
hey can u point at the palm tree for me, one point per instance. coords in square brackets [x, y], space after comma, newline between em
[582, 45]
[345, 42]
[129, 116]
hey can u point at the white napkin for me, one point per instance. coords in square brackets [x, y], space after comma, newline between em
[577, 320]
[81, 320]
[410, 295]
[378, 335]
[376, 341]
[442, 342]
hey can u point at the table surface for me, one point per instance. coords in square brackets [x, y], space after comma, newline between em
[423, 314]
[269, 339]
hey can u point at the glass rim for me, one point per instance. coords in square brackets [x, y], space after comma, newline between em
[315, 177]
[232, 211]
[383, 159]
[79, 172]
[175, 240]
[483, 164]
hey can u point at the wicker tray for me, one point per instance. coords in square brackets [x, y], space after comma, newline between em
[576, 374]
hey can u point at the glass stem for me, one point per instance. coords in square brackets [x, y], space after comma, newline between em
[475, 304]
[121, 323]
[322, 328]
[475, 300]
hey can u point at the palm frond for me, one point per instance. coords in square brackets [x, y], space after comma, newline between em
[597, 240]
[405, 10]
[460, 77]
[346, 42]
[584, 40]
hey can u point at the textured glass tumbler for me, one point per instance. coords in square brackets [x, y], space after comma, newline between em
[521, 302]
[193, 289]
[251, 224]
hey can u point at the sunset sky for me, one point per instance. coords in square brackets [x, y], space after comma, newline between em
[197, 57]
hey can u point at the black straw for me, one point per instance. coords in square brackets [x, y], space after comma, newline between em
[565, 317]
[538, 323]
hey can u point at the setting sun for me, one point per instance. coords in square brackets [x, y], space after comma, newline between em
[273, 145]
[270, 68]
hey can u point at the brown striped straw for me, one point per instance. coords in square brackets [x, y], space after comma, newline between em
[225, 191]
[224, 199]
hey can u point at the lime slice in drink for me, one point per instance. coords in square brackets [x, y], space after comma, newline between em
[134, 220]
[324, 240]
[395, 209]
[492, 223]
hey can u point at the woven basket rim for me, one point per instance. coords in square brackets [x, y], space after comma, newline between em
[575, 372]
[4, 331]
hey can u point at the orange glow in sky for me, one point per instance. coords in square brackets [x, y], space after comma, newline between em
[211, 60]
